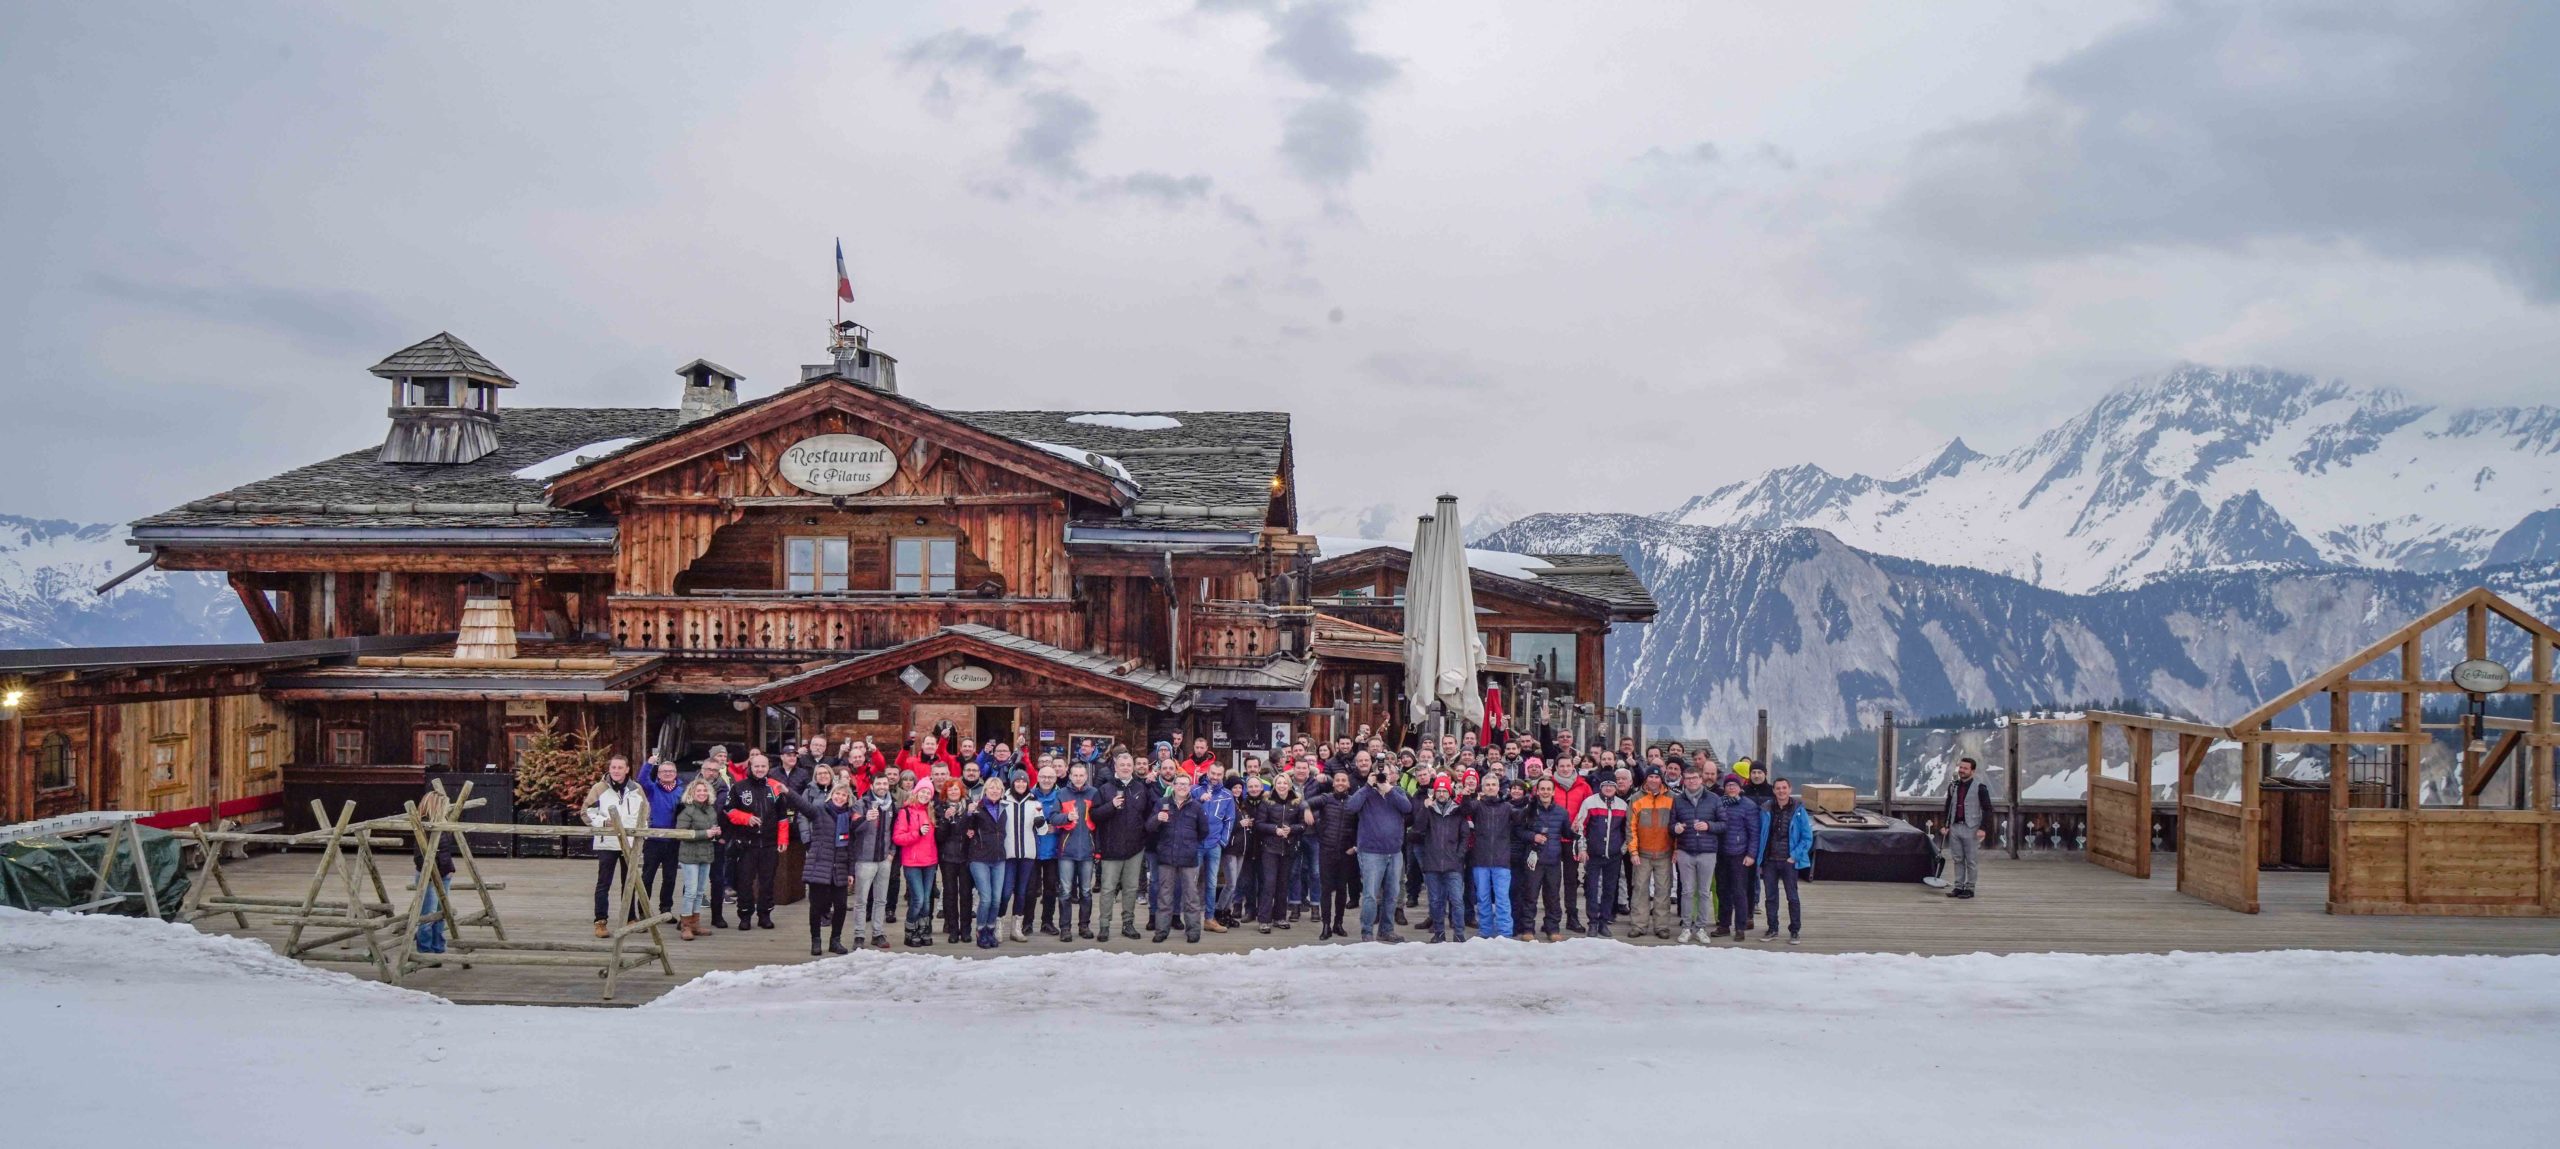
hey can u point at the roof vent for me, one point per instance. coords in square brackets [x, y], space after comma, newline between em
[444, 402]
[488, 628]
[849, 344]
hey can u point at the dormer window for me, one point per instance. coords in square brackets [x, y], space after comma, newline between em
[430, 391]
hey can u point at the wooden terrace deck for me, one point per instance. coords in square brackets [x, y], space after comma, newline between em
[2054, 903]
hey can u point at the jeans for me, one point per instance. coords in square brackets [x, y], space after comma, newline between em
[693, 887]
[608, 868]
[1773, 874]
[1021, 876]
[868, 902]
[1212, 861]
[658, 869]
[1600, 892]
[1448, 891]
[919, 899]
[1733, 891]
[1231, 881]
[1655, 907]
[431, 935]
[1181, 895]
[988, 877]
[1302, 873]
[1075, 886]
[1697, 875]
[1120, 884]
[1493, 901]
[1380, 876]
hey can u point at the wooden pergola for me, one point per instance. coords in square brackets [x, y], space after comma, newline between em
[2389, 851]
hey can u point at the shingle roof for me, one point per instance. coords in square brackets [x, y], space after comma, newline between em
[441, 354]
[332, 493]
[1213, 473]
[1215, 459]
[1602, 576]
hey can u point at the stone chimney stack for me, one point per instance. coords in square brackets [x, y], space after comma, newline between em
[444, 402]
[709, 389]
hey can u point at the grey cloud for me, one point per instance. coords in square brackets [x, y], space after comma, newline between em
[1162, 188]
[321, 320]
[1061, 123]
[1325, 140]
[2405, 128]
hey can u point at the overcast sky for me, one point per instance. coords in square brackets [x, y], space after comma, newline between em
[1579, 256]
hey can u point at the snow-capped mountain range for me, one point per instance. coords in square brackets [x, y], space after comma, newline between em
[2200, 468]
[49, 572]
[1827, 636]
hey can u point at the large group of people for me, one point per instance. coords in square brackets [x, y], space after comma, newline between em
[976, 845]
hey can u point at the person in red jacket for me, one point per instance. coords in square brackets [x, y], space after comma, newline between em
[1198, 762]
[761, 832]
[1572, 790]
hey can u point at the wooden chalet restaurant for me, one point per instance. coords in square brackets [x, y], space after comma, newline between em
[838, 558]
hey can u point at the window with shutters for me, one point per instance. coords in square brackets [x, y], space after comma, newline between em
[923, 566]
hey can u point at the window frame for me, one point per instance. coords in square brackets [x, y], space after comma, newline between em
[419, 736]
[47, 758]
[819, 578]
[334, 740]
[928, 571]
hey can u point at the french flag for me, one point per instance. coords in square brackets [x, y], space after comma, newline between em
[844, 282]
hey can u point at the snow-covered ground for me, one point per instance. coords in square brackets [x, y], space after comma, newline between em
[126, 1032]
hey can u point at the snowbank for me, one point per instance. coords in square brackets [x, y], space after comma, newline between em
[149, 1032]
[573, 458]
[1505, 563]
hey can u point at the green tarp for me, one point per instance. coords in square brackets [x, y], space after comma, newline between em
[48, 874]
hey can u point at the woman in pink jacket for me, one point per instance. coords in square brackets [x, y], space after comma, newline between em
[912, 833]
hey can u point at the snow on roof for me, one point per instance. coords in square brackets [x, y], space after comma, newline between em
[1504, 563]
[574, 457]
[1127, 422]
[1094, 459]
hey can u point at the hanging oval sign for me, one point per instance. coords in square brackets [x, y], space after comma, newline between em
[968, 678]
[2481, 676]
[838, 464]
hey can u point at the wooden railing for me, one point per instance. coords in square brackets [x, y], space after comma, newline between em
[1239, 632]
[788, 624]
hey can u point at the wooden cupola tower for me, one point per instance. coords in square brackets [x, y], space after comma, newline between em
[444, 402]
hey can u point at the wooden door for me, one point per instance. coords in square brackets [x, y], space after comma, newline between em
[922, 717]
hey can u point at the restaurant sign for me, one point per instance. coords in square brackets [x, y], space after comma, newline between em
[839, 464]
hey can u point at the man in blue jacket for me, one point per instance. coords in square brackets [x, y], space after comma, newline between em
[1179, 830]
[1540, 830]
[1218, 810]
[1786, 850]
[1070, 814]
[658, 855]
[1382, 811]
[1737, 826]
[1694, 850]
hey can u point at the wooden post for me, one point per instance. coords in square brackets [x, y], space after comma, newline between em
[2010, 743]
[1884, 766]
[2138, 743]
[1760, 737]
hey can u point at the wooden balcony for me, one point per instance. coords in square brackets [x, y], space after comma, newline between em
[795, 623]
[1242, 632]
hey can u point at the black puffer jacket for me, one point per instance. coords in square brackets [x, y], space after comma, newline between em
[1121, 831]
[829, 861]
[986, 831]
[1272, 815]
[1337, 825]
[1442, 835]
[950, 830]
[1492, 821]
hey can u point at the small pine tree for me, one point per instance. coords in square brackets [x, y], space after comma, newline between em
[546, 762]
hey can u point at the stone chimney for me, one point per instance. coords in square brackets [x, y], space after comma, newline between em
[444, 402]
[709, 389]
[488, 628]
